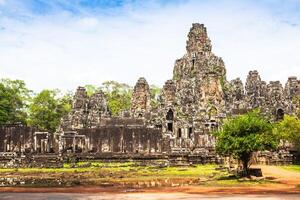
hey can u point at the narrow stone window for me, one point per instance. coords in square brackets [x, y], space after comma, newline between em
[190, 132]
[179, 133]
[193, 64]
[170, 127]
[170, 115]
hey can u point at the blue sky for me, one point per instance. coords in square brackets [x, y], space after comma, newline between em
[67, 43]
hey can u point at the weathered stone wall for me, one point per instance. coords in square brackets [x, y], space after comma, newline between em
[23, 140]
[16, 139]
[122, 140]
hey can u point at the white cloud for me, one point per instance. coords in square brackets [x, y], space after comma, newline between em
[64, 51]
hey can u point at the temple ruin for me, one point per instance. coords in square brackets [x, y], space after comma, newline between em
[192, 104]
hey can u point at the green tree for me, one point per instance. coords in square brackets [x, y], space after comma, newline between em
[6, 109]
[14, 99]
[90, 89]
[154, 92]
[118, 96]
[47, 109]
[289, 128]
[243, 135]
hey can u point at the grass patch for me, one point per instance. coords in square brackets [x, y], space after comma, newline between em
[129, 169]
[198, 170]
[236, 182]
[99, 173]
[292, 168]
[45, 170]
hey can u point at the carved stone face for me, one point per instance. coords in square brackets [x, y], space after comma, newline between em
[212, 89]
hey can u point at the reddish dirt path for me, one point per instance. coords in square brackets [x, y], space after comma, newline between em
[283, 176]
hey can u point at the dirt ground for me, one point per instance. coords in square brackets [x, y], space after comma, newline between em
[144, 196]
[288, 183]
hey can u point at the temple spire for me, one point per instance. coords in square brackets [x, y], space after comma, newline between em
[198, 41]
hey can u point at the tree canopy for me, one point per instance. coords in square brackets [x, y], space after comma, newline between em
[289, 128]
[242, 135]
[47, 109]
[155, 92]
[14, 100]
[118, 96]
[90, 89]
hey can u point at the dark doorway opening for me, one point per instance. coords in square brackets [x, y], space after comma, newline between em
[170, 115]
[170, 127]
[279, 114]
[179, 133]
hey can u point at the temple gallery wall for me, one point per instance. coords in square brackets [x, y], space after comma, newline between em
[192, 104]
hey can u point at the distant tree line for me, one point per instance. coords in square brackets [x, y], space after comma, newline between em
[44, 109]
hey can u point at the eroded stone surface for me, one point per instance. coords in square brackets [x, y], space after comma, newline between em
[86, 112]
[141, 98]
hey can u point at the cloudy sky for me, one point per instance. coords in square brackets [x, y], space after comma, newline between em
[67, 43]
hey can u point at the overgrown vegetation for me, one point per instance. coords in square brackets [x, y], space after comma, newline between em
[292, 167]
[289, 129]
[14, 101]
[131, 174]
[47, 109]
[245, 134]
[155, 91]
[118, 96]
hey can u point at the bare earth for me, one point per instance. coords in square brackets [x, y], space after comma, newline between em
[285, 189]
[141, 196]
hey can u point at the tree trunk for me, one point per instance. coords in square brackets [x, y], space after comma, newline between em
[245, 161]
[245, 168]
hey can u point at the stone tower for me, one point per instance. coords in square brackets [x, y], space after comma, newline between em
[97, 109]
[235, 100]
[291, 91]
[200, 77]
[198, 41]
[168, 93]
[193, 101]
[141, 99]
[255, 90]
[86, 112]
[77, 118]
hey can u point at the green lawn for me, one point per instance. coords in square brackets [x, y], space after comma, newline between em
[292, 167]
[129, 167]
[98, 173]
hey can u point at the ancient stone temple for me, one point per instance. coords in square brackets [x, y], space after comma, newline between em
[194, 99]
[291, 91]
[141, 99]
[97, 109]
[235, 97]
[255, 94]
[192, 104]
[87, 112]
